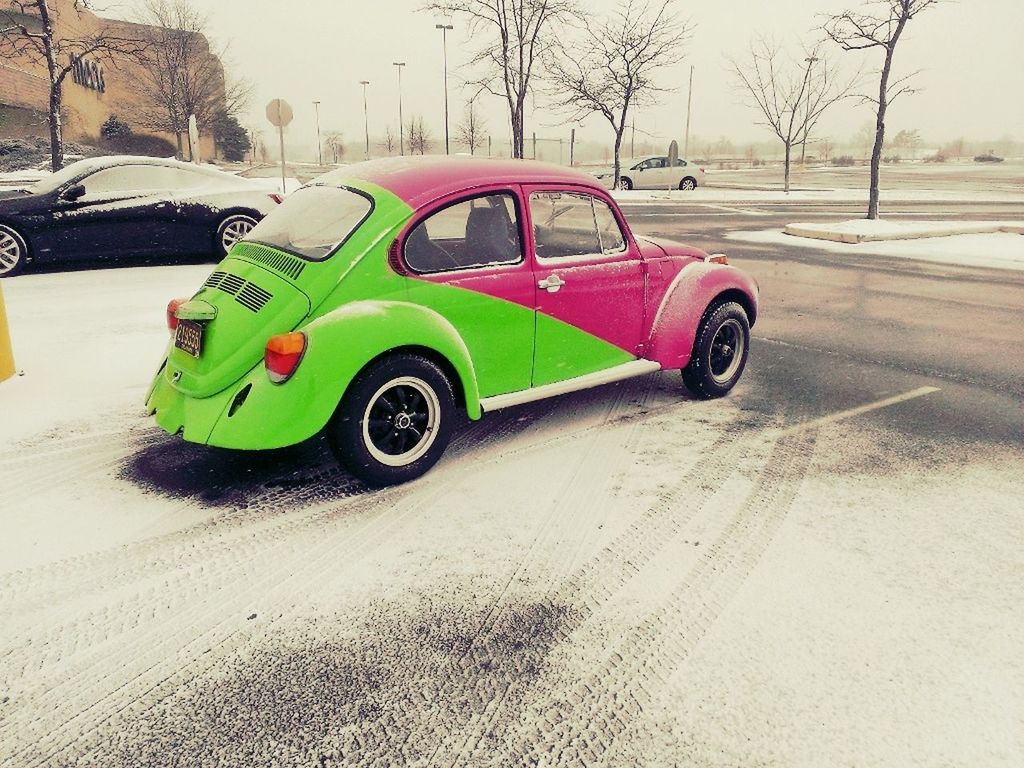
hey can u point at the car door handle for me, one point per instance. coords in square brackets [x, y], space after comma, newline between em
[551, 284]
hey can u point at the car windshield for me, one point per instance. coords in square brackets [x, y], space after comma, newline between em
[314, 221]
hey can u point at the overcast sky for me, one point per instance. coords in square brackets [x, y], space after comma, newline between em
[305, 50]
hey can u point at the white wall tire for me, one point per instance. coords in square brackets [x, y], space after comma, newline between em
[395, 420]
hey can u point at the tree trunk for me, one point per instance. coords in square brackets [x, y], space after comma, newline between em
[789, 151]
[56, 90]
[56, 129]
[876, 151]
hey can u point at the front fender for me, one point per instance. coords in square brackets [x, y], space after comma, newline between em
[694, 289]
[339, 345]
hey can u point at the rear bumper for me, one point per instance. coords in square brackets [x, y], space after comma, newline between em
[251, 414]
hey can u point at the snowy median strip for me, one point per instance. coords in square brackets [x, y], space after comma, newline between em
[866, 230]
[992, 249]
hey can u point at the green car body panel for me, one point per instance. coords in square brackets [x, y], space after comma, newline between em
[353, 307]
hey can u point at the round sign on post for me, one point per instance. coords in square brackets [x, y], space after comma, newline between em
[279, 113]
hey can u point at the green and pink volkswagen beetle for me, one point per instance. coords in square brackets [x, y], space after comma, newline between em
[383, 296]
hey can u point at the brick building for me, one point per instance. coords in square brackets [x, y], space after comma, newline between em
[96, 88]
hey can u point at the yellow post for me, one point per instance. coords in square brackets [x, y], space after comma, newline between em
[6, 353]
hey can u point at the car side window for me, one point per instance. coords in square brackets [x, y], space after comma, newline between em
[479, 232]
[680, 163]
[612, 239]
[564, 224]
[126, 178]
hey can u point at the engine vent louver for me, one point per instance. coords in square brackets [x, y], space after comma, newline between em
[252, 297]
[249, 295]
[268, 257]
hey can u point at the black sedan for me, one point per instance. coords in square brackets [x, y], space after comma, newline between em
[127, 206]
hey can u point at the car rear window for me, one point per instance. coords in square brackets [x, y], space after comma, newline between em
[314, 221]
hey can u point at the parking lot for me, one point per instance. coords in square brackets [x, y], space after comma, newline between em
[822, 568]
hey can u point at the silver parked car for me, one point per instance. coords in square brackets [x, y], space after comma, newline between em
[654, 172]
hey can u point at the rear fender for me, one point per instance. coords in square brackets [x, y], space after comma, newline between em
[694, 289]
[357, 333]
[339, 345]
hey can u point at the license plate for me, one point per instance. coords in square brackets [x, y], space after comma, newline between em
[189, 337]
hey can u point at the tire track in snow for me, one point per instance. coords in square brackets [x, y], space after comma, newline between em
[82, 681]
[581, 726]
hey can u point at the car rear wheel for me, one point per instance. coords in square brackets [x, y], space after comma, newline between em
[233, 229]
[13, 252]
[394, 421]
[687, 184]
[719, 351]
[625, 184]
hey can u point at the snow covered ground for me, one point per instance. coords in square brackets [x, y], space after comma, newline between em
[620, 577]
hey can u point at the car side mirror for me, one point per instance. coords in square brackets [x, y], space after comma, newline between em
[72, 193]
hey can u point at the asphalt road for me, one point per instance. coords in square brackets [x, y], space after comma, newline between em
[829, 321]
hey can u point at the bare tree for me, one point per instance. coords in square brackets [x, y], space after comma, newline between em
[389, 144]
[858, 31]
[420, 139]
[472, 128]
[512, 35]
[334, 143]
[864, 138]
[612, 66]
[183, 75]
[791, 96]
[27, 29]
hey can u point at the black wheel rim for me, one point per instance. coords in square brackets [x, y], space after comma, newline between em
[727, 348]
[400, 422]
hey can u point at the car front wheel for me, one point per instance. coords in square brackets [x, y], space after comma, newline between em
[719, 351]
[688, 184]
[13, 252]
[231, 230]
[394, 421]
[625, 184]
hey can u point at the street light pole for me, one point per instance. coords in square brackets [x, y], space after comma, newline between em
[366, 118]
[807, 112]
[444, 44]
[401, 126]
[319, 149]
[689, 104]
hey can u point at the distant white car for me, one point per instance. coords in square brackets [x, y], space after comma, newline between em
[654, 172]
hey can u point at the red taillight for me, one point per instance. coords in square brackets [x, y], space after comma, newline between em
[283, 355]
[276, 198]
[172, 309]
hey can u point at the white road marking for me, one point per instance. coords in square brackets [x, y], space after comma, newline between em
[743, 211]
[851, 412]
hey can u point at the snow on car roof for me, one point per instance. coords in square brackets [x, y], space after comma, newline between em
[418, 180]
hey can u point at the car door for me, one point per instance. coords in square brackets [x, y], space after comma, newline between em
[466, 258]
[590, 279]
[195, 200]
[642, 175]
[118, 214]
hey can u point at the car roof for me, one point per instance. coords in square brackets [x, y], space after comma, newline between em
[110, 161]
[418, 180]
